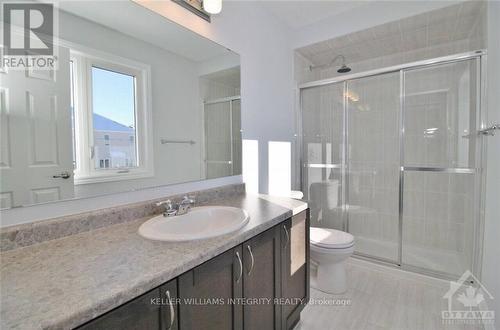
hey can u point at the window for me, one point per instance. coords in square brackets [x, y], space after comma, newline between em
[113, 105]
[112, 118]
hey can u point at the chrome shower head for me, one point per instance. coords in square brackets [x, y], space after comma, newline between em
[344, 69]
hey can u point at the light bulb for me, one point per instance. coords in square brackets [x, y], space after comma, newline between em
[212, 6]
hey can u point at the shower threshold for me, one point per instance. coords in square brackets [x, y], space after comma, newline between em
[444, 263]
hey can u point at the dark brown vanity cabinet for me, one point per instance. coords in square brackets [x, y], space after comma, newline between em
[269, 288]
[152, 310]
[208, 293]
[261, 281]
[260, 284]
[235, 290]
[294, 268]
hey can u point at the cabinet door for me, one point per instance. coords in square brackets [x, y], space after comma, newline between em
[141, 313]
[170, 309]
[206, 293]
[261, 281]
[294, 267]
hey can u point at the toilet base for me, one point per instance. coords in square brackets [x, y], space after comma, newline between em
[332, 278]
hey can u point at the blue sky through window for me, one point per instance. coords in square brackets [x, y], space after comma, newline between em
[113, 96]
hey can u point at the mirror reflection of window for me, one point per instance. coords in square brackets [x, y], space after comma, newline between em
[113, 107]
[109, 113]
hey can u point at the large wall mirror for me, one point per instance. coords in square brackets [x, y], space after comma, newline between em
[136, 101]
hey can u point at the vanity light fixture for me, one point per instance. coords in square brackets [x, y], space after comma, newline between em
[198, 7]
[212, 6]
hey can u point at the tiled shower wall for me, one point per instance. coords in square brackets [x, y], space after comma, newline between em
[450, 30]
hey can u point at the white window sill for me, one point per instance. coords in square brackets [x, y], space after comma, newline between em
[112, 175]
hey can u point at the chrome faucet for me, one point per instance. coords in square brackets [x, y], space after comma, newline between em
[172, 209]
[185, 205]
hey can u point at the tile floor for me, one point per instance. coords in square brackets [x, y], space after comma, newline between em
[380, 298]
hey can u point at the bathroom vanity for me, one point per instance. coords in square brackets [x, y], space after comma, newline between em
[110, 277]
[250, 286]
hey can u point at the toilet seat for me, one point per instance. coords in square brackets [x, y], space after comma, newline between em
[330, 238]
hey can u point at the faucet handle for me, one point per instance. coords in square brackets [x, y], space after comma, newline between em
[188, 200]
[168, 202]
[169, 208]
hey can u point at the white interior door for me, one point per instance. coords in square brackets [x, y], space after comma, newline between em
[36, 141]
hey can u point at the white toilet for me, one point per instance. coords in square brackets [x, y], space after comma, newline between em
[330, 249]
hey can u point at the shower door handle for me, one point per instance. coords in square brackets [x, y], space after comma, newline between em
[490, 131]
[309, 165]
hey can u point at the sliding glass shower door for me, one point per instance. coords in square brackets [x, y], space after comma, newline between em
[440, 158]
[395, 159]
[322, 156]
[373, 164]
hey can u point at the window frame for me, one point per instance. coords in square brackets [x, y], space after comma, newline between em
[85, 171]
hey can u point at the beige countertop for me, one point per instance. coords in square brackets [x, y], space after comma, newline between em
[62, 283]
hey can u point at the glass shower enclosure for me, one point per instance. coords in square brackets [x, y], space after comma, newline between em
[222, 137]
[393, 157]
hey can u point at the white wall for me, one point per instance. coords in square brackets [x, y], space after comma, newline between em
[266, 68]
[491, 254]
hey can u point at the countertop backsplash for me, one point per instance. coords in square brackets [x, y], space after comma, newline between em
[18, 236]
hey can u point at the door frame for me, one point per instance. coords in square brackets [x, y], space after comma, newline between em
[479, 183]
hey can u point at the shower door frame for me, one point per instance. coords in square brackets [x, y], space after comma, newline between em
[230, 100]
[479, 188]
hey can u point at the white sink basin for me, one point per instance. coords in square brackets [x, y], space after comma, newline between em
[199, 223]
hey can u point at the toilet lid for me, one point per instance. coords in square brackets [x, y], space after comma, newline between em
[330, 238]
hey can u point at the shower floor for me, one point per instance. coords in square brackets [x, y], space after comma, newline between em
[433, 259]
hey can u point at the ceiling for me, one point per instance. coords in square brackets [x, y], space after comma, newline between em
[159, 31]
[297, 14]
[434, 28]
